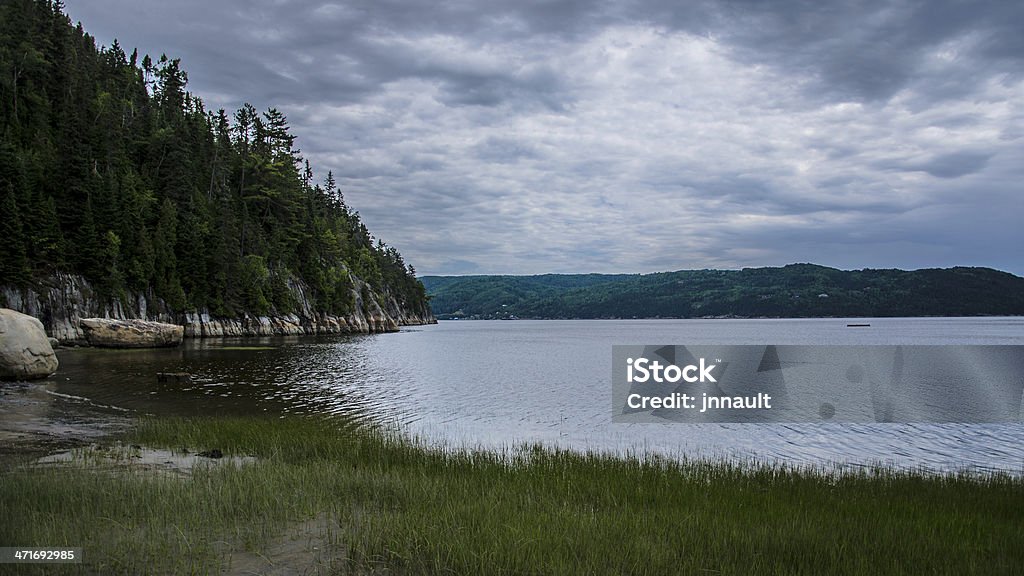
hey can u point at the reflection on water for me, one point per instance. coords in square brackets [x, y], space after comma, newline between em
[35, 418]
[498, 384]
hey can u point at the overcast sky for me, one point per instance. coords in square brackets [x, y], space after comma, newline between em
[540, 136]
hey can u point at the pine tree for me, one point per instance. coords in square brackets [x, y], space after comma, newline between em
[165, 261]
[48, 244]
[14, 270]
[87, 252]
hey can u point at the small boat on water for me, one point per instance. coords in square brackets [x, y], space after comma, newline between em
[858, 325]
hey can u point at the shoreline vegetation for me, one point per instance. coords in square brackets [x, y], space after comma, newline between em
[358, 499]
[793, 291]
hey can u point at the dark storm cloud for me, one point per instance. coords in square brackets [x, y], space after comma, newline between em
[952, 165]
[956, 164]
[561, 136]
[872, 49]
[868, 49]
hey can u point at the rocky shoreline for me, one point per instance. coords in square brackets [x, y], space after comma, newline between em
[62, 301]
[35, 419]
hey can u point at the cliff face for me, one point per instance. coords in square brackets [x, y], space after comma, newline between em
[64, 299]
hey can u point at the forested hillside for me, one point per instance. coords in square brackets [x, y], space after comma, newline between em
[491, 296]
[111, 170]
[796, 291]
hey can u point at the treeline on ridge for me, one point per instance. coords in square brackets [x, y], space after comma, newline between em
[794, 291]
[111, 169]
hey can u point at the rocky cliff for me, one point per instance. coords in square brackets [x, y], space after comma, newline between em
[62, 300]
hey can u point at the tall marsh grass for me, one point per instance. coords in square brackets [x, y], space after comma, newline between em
[398, 506]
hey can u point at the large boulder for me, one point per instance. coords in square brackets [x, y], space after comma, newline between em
[25, 352]
[107, 333]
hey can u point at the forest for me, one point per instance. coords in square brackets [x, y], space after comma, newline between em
[793, 291]
[111, 169]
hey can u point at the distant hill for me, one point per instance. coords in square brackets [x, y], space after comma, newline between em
[793, 291]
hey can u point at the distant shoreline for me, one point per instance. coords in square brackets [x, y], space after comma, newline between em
[441, 319]
[793, 291]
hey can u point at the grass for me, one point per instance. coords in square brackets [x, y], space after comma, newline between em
[397, 506]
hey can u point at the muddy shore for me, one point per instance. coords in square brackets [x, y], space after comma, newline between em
[36, 420]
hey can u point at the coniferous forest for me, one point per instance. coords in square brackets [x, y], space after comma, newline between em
[110, 169]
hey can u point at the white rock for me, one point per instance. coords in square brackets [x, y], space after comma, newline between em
[108, 333]
[25, 352]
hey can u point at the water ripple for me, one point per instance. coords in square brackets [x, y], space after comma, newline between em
[501, 384]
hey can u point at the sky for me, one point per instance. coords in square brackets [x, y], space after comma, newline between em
[535, 136]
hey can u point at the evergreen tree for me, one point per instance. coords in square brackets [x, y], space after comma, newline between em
[87, 252]
[14, 268]
[166, 281]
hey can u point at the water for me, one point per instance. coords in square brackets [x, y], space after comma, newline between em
[496, 384]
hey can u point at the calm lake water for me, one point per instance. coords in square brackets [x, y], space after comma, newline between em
[499, 384]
